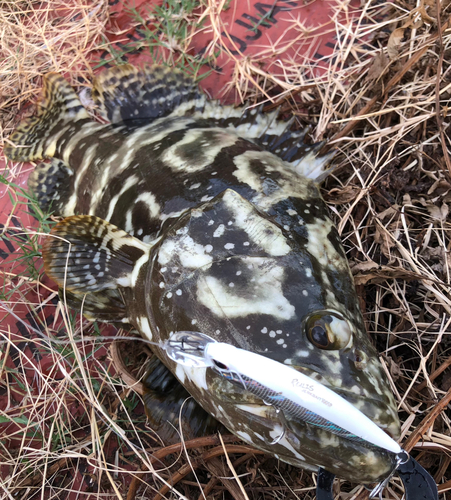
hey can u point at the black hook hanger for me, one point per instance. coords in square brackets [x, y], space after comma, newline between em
[418, 483]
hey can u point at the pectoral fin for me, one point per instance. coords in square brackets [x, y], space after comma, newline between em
[107, 305]
[86, 254]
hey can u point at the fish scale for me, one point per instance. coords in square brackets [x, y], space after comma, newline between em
[185, 215]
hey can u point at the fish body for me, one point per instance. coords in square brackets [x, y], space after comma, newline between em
[185, 215]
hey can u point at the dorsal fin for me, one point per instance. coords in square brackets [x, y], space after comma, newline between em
[58, 104]
[87, 254]
[129, 93]
[273, 134]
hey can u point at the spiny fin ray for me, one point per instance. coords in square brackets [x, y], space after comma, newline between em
[273, 134]
[126, 93]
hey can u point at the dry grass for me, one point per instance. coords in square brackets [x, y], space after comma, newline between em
[74, 428]
[37, 38]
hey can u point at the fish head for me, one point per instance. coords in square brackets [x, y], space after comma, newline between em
[229, 271]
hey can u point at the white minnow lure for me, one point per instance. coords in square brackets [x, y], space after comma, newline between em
[303, 398]
[279, 385]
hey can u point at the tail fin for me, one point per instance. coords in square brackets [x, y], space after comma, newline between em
[33, 137]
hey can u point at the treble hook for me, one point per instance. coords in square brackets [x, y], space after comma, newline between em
[283, 423]
[401, 459]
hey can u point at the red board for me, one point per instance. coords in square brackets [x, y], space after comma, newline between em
[247, 38]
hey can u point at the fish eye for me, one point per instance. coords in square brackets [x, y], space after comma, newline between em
[328, 330]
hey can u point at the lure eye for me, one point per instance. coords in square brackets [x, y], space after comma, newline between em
[328, 331]
[219, 365]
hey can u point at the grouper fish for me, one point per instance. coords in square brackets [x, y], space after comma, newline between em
[186, 215]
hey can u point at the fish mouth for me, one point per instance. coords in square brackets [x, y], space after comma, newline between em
[299, 438]
[308, 446]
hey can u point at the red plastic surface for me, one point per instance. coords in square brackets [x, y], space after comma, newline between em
[269, 35]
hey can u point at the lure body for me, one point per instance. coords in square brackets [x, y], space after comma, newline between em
[302, 391]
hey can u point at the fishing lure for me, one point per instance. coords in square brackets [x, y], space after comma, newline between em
[300, 396]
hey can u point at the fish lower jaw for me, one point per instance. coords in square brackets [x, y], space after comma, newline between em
[308, 446]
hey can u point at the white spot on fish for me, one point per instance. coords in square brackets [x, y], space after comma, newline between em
[219, 231]
[191, 254]
[244, 436]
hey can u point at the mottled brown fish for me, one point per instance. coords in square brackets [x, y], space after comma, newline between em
[185, 215]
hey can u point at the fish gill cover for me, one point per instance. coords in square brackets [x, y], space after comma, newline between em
[68, 415]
